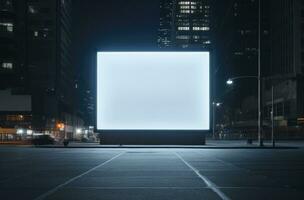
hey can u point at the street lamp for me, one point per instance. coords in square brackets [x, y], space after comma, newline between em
[78, 131]
[258, 78]
[260, 139]
[229, 82]
[214, 105]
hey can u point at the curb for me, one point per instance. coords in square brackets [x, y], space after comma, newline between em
[162, 147]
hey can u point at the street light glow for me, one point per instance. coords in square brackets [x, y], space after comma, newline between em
[60, 126]
[20, 131]
[217, 104]
[78, 130]
[229, 82]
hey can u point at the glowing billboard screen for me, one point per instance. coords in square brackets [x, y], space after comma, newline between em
[153, 91]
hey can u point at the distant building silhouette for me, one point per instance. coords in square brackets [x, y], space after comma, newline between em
[236, 47]
[236, 54]
[287, 63]
[35, 60]
[185, 24]
[49, 61]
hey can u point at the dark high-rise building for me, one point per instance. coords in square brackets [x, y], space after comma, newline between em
[49, 61]
[36, 59]
[165, 24]
[281, 58]
[185, 24]
[15, 101]
[85, 102]
[287, 63]
[236, 47]
[12, 44]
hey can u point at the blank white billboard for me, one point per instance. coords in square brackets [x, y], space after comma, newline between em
[153, 91]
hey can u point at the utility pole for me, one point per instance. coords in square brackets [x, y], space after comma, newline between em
[213, 120]
[272, 116]
[260, 139]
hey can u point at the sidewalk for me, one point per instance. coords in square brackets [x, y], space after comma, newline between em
[210, 144]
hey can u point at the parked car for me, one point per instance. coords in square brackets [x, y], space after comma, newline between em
[43, 139]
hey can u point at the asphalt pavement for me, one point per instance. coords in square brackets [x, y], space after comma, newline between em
[151, 173]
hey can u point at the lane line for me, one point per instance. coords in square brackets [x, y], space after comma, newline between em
[168, 187]
[135, 187]
[209, 183]
[44, 195]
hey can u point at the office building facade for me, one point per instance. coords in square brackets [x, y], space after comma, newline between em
[185, 24]
[37, 61]
[287, 64]
[236, 45]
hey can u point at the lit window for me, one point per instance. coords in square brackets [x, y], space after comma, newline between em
[204, 28]
[9, 26]
[36, 33]
[184, 7]
[183, 28]
[7, 65]
[185, 11]
[184, 3]
[183, 37]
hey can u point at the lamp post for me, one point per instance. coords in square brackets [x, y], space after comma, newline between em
[214, 105]
[230, 81]
[272, 116]
[259, 79]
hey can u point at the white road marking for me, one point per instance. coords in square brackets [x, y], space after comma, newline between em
[209, 183]
[169, 187]
[44, 195]
[136, 187]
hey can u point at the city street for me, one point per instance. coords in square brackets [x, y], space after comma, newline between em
[151, 173]
[151, 100]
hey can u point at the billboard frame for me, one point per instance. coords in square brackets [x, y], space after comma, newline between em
[155, 136]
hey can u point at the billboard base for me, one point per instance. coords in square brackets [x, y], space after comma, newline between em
[158, 137]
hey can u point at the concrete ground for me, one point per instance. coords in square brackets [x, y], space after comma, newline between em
[151, 173]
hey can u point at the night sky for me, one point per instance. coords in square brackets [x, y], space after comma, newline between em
[113, 25]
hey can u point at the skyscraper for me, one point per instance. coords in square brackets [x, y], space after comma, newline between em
[185, 24]
[12, 44]
[165, 24]
[281, 57]
[15, 101]
[49, 61]
[36, 60]
[236, 46]
[287, 63]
